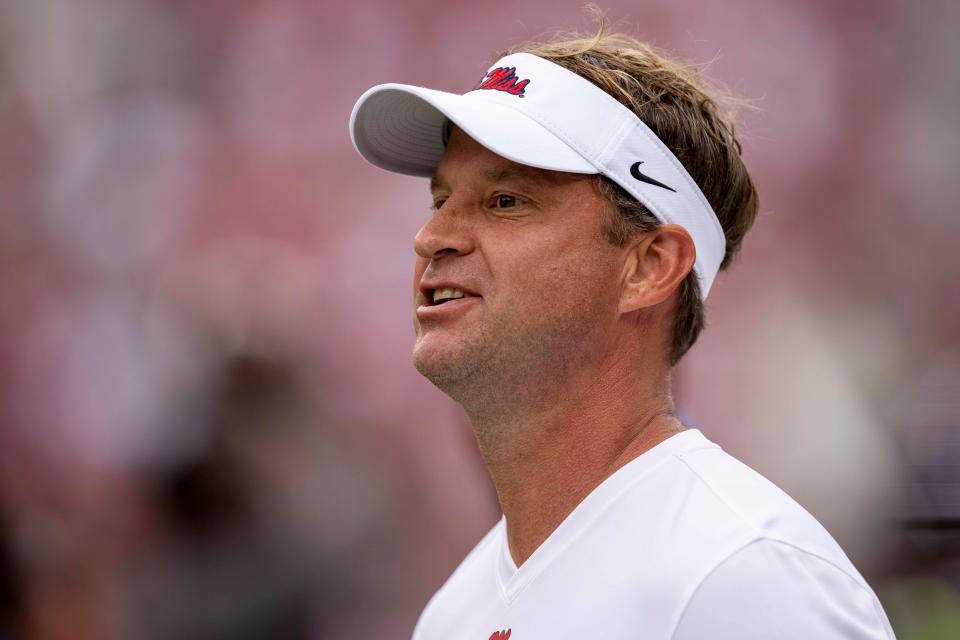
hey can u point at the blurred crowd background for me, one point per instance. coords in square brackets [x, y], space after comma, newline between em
[209, 426]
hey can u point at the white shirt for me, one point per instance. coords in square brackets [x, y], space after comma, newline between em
[682, 543]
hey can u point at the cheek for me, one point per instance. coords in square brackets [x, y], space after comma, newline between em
[419, 266]
[554, 277]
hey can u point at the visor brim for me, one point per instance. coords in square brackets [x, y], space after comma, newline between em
[400, 128]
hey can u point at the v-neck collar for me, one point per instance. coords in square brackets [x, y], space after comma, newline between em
[513, 579]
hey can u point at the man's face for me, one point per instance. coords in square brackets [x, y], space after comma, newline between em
[526, 248]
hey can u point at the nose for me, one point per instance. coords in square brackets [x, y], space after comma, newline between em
[446, 233]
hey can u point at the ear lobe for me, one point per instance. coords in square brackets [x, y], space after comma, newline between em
[656, 264]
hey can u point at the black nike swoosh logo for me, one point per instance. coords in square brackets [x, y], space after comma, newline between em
[635, 172]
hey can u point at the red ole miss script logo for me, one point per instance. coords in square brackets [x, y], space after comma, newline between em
[503, 79]
[500, 635]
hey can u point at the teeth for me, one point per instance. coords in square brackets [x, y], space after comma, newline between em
[439, 295]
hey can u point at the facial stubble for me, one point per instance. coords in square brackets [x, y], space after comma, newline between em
[501, 366]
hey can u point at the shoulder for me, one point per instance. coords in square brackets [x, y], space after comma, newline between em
[770, 588]
[708, 504]
[733, 492]
[723, 528]
[786, 578]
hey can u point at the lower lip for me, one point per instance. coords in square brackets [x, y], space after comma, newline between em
[449, 309]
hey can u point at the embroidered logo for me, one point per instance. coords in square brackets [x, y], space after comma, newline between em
[642, 177]
[500, 635]
[503, 79]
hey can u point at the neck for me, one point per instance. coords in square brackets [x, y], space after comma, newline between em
[547, 450]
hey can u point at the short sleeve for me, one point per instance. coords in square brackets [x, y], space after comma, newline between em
[772, 590]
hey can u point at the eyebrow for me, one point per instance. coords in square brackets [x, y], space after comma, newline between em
[491, 175]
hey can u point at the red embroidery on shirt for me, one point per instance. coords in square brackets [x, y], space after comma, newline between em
[501, 635]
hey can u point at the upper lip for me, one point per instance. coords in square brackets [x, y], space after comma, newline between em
[427, 287]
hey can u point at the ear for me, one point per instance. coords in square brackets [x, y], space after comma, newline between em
[657, 262]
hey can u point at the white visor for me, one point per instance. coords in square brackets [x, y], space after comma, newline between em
[537, 113]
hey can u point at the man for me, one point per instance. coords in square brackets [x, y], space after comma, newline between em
[586, 193]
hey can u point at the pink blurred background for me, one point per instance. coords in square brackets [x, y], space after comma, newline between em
[209, 425]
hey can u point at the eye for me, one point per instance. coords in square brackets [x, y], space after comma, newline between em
[504, 201]
[437, 203]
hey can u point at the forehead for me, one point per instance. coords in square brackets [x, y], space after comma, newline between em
[465, 158]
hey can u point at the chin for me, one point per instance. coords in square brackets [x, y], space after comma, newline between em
[432, 362]
[447, 367]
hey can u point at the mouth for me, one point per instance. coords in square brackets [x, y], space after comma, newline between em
[443, 294]
[437, 297]
[443, 300]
